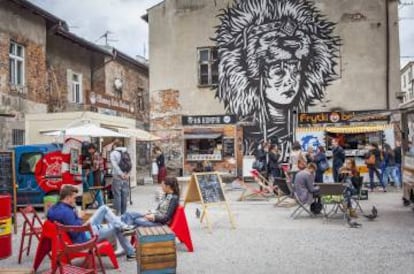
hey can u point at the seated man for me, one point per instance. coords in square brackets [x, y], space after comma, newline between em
[303, 186]
[165, 209]
[64, 212]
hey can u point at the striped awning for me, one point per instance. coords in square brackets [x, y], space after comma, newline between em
[346, 129]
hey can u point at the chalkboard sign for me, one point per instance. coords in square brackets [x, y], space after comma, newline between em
[228, 147]
[7, 179]
[210, 187]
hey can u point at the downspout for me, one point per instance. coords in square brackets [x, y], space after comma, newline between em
[387, 59]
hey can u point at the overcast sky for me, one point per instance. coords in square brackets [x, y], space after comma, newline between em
[92, 18]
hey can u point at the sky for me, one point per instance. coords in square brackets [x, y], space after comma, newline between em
[90, 19]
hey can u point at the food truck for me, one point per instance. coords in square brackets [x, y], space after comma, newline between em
[321, 128]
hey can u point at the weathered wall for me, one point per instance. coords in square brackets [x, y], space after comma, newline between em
[166, 122]
[30, 31]
[133, 81]
[64, 55]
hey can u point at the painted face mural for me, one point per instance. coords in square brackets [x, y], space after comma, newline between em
[276, 58]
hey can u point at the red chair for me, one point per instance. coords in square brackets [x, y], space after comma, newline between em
[32, 226]
[180, 227]
[49, 243]
[68, 251]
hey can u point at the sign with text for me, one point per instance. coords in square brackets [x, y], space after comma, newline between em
[111, 102]
[332, 117]
[209, 120]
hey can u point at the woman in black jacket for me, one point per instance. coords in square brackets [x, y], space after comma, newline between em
[273, 164]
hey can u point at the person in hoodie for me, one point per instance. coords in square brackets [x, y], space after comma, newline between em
[120, 187]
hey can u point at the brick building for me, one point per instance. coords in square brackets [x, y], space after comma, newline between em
[46, 68]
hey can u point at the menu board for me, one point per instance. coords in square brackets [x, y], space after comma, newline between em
[6, 172]
[210, 187]
[228, 147]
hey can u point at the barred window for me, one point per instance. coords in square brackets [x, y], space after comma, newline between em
[18, 137]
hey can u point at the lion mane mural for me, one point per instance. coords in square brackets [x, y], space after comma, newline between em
[276, 57]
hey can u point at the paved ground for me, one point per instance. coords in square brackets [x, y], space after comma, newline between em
[267, 241]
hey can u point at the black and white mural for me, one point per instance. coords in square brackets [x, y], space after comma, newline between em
[276, 58]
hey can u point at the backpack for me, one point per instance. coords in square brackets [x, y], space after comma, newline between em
[125, 162]
[323, 165]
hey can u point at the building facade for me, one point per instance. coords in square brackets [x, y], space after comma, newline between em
[407, 83]
[266, 61]
[46, 68]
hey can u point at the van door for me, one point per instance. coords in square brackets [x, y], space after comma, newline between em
[28, 190]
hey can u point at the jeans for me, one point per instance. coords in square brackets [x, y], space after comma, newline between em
[393, 172]
[112, 228]
[319, 176]
[120, 190]
[336, 174]
[136, 219]
[371, 171]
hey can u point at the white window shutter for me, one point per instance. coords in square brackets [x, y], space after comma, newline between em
[69, 85]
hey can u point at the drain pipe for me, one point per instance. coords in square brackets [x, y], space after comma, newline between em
[387, 58]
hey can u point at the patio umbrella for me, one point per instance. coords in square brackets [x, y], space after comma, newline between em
[139, 134]
[88, 130]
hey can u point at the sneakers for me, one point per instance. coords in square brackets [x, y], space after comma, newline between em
[127, 229]
[131, 257]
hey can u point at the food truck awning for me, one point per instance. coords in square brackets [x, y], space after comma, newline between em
[356, 129]
[202, 136]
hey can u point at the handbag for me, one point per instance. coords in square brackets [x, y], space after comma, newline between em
[301, 162]
[323, 165]
[370, 160]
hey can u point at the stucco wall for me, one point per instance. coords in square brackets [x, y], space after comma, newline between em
[177, 28]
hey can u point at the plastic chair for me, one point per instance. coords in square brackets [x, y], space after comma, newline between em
[49, 243]
[68, 251]
[180, 227]
[32, 226]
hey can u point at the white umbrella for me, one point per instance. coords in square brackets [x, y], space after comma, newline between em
[139, 134]
[89, 130]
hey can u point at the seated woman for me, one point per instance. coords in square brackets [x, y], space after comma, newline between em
[349, 175]
[165, 209]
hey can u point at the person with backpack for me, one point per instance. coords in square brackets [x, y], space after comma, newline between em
[338, 159]
[373, 160]
[121, 168]
[322, 164]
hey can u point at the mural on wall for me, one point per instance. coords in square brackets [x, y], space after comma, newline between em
[276, 58]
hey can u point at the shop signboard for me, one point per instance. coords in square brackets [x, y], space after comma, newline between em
[333, 117]
[197, 120]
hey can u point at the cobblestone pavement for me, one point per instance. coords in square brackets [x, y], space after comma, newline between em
[267, 241]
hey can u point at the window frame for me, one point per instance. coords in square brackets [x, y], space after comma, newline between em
[19, 136]
[210, 62]
[72, 96]
[13, 57]
[23, 156]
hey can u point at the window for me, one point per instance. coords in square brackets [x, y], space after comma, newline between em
[16, 64]
[207, 66]
[75, 87]
[28, 162]
[404, 81]
[18, 137]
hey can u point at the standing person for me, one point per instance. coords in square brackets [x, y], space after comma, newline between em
[338, 159]
[321, 164]
[398, 158]
[120, 175]
[349, 175]
[65, 213]
[373, 160]
[96, 171]
[160, 159]
[273, 164]
[310, 155]
[390, 167]
[297, 160]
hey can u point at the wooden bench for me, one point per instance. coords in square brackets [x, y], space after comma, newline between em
[156, 251]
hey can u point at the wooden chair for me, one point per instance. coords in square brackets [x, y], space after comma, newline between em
[32, 226]
[284, 191]
[69, 250]
[265, 191]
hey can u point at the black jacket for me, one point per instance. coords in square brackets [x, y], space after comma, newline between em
[338, 154]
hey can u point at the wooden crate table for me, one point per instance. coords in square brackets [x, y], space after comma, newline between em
[156, 252]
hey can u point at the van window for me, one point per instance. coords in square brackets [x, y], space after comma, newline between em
[28, 162]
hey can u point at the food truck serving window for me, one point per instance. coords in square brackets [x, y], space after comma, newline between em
[203, 147]
[28, 162]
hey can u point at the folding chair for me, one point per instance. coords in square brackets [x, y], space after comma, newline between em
[284, 191]
[69, 251]
[301, 207]
[265, 191]
[32, 226]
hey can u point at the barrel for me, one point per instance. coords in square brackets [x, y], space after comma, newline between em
[5, 226]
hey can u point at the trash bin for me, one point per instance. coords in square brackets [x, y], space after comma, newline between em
[5, 226]
[48, 201]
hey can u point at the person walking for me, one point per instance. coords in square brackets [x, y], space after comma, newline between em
[390, 168]
[398, 158]
[373, 160]
[322, 164]
[297, 160]
[120, 175]
[273, 164]
[338, 159]
[160, 159]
